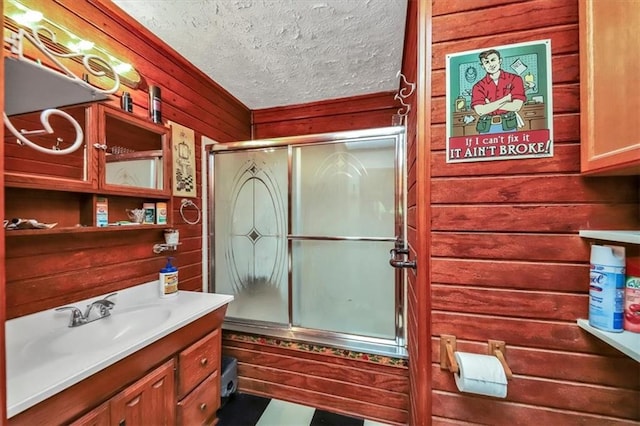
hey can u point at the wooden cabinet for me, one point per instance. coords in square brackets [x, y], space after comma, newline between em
[134, 156]
[199, 381]
[149, 401]
[610, 106]
[125, 159]
[175, 380]
[97, 417]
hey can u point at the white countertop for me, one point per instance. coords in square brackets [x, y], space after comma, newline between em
[45, 356]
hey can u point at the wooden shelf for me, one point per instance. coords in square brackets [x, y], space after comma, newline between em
[631, 237]
[626, 342]
[81, 230]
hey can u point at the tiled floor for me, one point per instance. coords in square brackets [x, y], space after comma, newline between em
[243, 409]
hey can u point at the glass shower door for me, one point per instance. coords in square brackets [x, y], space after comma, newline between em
[343, 217]
[301, 234]
[250, 226]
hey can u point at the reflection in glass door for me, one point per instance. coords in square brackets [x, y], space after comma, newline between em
[301, 233]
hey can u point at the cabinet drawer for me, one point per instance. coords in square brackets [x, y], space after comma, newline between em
[200, 406]
[197, 362]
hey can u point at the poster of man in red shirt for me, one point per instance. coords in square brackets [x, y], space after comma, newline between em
[499, 103]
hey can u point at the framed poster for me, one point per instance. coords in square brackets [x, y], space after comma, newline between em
[499, 103]
[184, 161]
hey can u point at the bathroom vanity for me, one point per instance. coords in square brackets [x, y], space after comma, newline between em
[151, 361]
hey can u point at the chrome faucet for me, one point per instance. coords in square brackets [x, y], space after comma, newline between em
[103, 306]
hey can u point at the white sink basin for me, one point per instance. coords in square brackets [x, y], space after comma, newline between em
[101, 333]
[122, 326]
[45, 356]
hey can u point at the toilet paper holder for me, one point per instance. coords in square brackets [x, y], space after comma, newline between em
[496, 348]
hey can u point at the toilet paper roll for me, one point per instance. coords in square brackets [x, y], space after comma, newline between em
[480, 374]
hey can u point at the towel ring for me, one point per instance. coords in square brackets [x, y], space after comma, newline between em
[185, 203]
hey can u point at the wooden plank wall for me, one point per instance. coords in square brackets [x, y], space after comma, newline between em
[45, 271]
[3, 308]
[507, 262]
[418, 325]
[337, 115]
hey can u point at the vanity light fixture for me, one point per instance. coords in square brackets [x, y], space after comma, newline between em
[17, 15]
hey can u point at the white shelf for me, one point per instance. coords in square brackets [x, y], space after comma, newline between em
[631, 237]
[31, 87]
[626, 342]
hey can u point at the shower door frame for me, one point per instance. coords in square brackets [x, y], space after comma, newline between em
[367, 344]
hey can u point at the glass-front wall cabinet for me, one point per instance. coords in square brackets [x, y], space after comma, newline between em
[27, 167]
[124, 158]
[135, 159]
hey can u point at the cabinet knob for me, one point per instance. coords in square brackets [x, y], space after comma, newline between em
[203, 362]
[203, 406]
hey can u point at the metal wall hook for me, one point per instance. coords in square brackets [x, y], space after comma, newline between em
[412, 86]
[405, 91]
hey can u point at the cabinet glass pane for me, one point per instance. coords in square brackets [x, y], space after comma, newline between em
[20, 159]
[134, 155]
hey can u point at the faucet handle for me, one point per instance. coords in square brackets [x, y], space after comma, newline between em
[76, 315]
[108, 303]
[104, 306]
[105, 300]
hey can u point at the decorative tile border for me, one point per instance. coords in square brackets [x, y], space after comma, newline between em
[326, 350]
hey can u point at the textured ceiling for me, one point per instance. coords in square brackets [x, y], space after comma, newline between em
[271, 53]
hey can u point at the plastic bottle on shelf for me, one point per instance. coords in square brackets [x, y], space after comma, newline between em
[606, 288]
[632, 296]
[168, 280]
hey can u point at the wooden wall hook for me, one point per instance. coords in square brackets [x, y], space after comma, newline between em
[447, 348]
[498, 349]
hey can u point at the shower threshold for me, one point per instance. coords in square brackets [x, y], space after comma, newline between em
[373, 346]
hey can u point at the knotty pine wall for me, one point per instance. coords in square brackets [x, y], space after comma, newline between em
[507, 261]
[43, 272]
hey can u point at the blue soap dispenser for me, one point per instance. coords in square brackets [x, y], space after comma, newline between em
[168, 279]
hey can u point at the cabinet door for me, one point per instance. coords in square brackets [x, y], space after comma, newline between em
[136, 157]
[149, 401]
[26, 167]
[97, 417]
[610, 106]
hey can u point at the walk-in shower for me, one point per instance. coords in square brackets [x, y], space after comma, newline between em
[301, 230]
